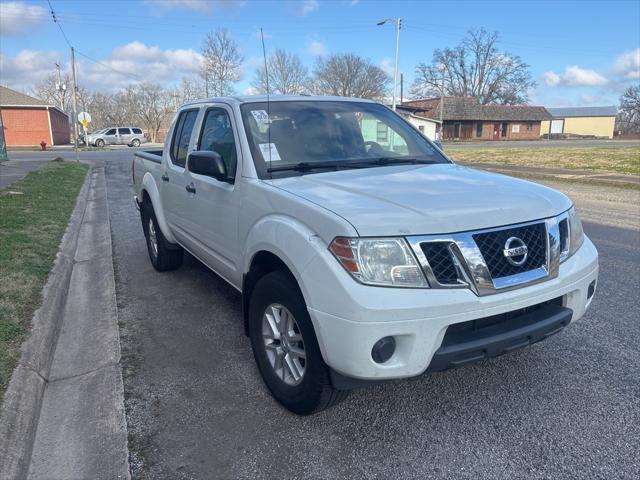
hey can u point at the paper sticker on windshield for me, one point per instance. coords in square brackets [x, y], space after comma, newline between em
[269, 149]
[261, 116]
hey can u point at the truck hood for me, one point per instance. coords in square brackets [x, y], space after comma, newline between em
[426, 199]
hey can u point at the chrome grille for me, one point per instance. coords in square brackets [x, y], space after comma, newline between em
[441, 262]
[492, 244]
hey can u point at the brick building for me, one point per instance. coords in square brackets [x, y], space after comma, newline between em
[466, 119]
[27, 121]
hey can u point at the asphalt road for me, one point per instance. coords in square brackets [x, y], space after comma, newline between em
[568, 407]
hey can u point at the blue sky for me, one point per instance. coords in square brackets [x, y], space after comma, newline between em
[581, 53]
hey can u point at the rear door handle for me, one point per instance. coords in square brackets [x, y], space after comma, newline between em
[165, 177]
[191, 188]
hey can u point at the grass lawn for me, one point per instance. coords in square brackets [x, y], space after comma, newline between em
[31, 226]
[621, 160]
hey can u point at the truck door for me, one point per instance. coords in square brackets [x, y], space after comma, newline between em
[213, 208]
[174, 176]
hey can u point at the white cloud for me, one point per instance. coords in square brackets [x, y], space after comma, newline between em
[386, 64]
[250, 91]
[308, 6]
[627, 65]
[137, 61]
[575, 76]
[126, 64]
[18, 17]
[28, 67]
[198, 5]
[551, 79]
[317, 48]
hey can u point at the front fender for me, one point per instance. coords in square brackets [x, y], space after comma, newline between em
[149, 186]
[290, 240]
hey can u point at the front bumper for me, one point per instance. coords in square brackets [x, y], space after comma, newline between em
[349, 318]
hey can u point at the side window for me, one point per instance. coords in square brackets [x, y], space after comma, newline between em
[181, 137]
[124, 131]
[111, 131]
[137, 131]
[217, 136]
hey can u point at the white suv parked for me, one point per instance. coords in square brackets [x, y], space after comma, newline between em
[362, 252]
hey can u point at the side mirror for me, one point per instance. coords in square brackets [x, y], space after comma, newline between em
[206, 162]
[438, 144]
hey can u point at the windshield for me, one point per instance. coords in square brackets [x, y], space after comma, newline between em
[325, 134]
[98, 131]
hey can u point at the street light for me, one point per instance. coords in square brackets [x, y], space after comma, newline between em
[395, 70]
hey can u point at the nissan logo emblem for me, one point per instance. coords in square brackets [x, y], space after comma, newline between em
[515, 251]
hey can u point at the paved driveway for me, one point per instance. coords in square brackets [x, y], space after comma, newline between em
[568, 407]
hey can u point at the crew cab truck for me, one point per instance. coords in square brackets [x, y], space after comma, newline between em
[361, 251]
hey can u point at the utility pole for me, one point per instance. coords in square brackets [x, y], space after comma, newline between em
[60, 87]
[395, 70]
[75, 101]
[401, 87]
[442, 104]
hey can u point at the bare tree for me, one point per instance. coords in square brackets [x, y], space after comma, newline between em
[349, 75]
[47, 90]
[629, 116]
[287, 75]
[222, 63]
[475, 68]
[151, 104]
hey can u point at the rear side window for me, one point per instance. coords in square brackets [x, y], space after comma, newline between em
[137, 131]
[124, 131]
[181, 137]
[217, 136]
[111, 131]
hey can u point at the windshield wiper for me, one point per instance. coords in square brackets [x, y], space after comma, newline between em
[306, 166]
[382, 161]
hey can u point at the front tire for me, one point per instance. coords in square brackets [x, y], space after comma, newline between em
[286, 348]
[135, 143]
[99, 143]
[164, 256]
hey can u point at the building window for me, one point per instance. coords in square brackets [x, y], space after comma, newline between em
[382, 133]
[478, 129]
[421, 128]
[515, 128]
[529, 127]
[503, 129]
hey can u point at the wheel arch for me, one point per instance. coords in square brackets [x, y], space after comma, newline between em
[149, 193]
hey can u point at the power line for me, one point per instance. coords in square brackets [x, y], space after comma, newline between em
[132, 75]
[57, 22]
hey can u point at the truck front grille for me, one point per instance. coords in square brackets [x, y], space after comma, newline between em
[441, 262]
[492, 245]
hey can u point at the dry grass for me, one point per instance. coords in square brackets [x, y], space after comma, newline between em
[621, 160]
[33, 217]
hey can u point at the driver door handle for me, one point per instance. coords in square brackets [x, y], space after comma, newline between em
[190, 188]
[165, 177]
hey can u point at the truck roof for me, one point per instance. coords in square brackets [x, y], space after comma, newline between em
[276, 98]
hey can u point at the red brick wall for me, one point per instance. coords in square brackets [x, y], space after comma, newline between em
[528, 130]
[60, 127]
[25, 126]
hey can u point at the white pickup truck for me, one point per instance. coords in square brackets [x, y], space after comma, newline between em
[361, 251]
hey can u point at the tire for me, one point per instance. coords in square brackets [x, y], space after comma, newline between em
[99, 143]
[135, 143]
[164, 256]
[313, 391]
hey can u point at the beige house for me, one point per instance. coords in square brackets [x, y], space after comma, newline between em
[597, 122]
[427, 126]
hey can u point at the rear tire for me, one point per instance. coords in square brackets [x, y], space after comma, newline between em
[164, 256]
[99, 143]
[304, 389]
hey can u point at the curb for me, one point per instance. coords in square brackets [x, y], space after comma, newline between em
[23, 399]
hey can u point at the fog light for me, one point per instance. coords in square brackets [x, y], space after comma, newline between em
[383, 349]
[591, 290]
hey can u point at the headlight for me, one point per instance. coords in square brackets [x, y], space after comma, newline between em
[571, 233]
[379, 261]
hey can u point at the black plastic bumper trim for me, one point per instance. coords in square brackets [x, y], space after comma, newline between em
[463, 348]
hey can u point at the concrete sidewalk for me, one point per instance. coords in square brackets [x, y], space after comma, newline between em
[13, 170]
[64, 409]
